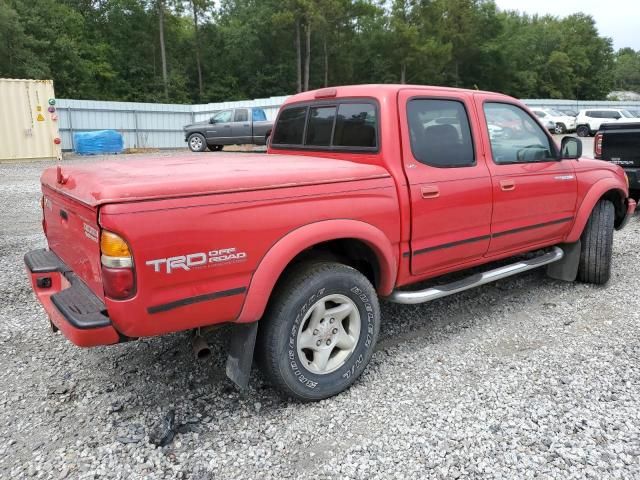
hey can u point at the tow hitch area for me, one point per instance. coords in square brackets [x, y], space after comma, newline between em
[71, 306]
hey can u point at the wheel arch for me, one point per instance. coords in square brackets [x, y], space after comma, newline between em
[605, 189]
[352, 242]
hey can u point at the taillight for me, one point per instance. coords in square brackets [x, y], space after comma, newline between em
[118, 277]
[597, 146]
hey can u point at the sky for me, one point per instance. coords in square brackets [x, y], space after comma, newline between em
[617, 19]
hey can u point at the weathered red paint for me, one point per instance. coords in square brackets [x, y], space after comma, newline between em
[268, 209]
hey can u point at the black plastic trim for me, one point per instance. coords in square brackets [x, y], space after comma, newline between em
[198, 298]
[44, 261]
[494, 235]
[452, 244]
[80, 306]
[532, 227]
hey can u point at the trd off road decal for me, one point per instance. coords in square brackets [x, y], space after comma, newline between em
[90, 232]
[190, 261]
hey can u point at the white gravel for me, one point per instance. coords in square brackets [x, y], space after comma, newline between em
[525, 378]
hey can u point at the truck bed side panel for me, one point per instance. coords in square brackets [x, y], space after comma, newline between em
[195, 262]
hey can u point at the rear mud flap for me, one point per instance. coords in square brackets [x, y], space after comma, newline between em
[567, 268]
[241, 345]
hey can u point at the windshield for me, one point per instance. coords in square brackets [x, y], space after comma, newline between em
[626, 114]
[556, 113]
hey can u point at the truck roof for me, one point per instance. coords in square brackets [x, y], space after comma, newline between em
[379, 91]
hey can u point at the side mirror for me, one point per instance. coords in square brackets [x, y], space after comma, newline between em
[570, 148]
[212, 120]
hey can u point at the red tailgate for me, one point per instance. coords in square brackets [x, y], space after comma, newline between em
[73, 234]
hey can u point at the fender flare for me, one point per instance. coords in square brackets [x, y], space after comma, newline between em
[598, 189]
[288, 247]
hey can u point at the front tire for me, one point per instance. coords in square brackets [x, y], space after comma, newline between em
[560, 128]
[319, 331]
[597, 245]
[196, 142]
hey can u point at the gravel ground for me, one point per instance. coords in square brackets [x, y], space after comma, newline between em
[524, 378]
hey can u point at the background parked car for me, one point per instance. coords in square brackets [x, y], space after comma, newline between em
[562, 123]
[571, 112]
[588, 121]
[239, 126]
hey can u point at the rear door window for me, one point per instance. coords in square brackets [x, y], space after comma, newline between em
[439, 133]
[258, 115]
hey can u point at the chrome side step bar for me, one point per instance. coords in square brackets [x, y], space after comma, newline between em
[421, 296]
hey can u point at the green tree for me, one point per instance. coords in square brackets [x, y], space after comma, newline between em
[626, 70]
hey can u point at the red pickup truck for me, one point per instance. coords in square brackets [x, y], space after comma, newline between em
[365, 190]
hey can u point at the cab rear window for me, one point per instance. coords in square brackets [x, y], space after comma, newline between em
[290, 126]
[343, 125]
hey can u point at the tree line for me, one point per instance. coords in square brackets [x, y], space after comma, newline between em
[213, 50]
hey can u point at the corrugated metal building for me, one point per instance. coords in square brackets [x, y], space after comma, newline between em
[29, 120]
[145, 125]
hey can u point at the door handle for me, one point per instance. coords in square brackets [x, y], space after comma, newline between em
[245, 124]
[430, 191]
[507, 185]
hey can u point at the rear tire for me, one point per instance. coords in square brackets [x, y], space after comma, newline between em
[319, 331]
[583, 131]
[597, 245]
[196, 142]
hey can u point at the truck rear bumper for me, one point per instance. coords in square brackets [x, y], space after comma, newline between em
[72, 308]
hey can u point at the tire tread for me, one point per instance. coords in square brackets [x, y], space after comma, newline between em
[597, 245]
[268, 351]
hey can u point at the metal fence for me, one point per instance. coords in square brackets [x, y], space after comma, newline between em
[144, 125]
[150, 125]
[582, 104]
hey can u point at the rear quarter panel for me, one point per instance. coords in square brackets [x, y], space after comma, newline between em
[248, 222]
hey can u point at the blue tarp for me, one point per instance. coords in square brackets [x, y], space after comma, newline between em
[102, 141]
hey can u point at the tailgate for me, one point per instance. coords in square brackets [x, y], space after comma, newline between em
[622, 146]
[72, 233]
